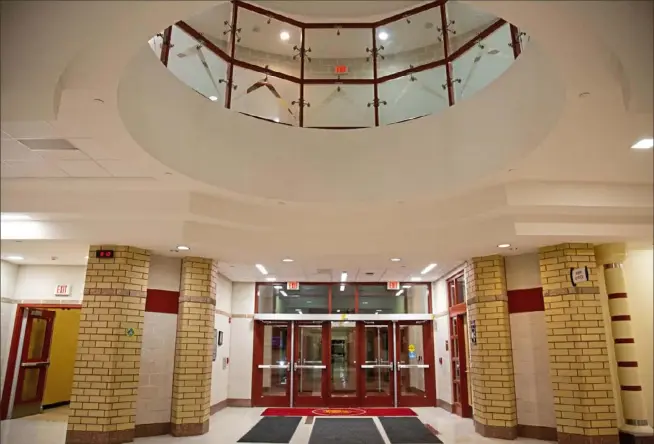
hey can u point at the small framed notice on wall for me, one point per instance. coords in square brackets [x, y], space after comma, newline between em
[578, 275]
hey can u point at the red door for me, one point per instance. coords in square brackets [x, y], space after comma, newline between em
[377, 364]
[416, 383]
[33, 363]
[460, 404]
[272, 364]
[311, 364]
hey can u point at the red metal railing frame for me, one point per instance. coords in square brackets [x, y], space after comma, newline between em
[232, 61]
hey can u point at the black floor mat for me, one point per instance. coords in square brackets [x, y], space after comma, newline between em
[345, 431]
[407, 431]
[273, 429]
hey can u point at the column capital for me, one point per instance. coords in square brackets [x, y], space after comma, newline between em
[614, 253]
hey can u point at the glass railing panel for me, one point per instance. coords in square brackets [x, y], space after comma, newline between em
[412, 96]
[339, 106]
[482, 63]
[265, 96]
[465, 23]
[265, 41]
[411, 41]
[155, 44]
[214, 24]
[335, 52]
[196, 66]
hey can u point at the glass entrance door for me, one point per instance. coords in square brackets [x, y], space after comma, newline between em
[310, 368]
[415, 364]
[272, 354]
[343, 368]
[378, 365]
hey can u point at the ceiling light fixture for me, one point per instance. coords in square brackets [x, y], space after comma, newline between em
[271, 279]
[399, 293]
[213, 98]
[643, 144]
[15, 258]
[503, 245]
[284, 35]
[395, 259]
[262, 269]
[406, 286]
[11, 217]
[277, 287]
[344, 276]
[416, 279]
[383, 35]
[86, 257]
[183, 248]
[342, 287]
[284, 293]
[428, 268]
[288, 259]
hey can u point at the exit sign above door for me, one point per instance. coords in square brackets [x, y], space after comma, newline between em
[62, 290]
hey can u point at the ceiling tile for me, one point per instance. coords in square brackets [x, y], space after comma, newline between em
[11, 149]
[4, 135]
[93, 149]
[121, 168]
[82, 168]
[29, 130]
[63, 155]
[32, 169]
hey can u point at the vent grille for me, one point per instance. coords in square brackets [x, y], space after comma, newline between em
[48, 144]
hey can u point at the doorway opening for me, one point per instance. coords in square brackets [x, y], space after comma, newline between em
[458, 325]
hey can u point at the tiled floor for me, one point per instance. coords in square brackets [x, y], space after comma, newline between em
[228, 425]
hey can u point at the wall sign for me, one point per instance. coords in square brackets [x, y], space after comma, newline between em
[62, 290]
[473, 331]
[578, 275]
[104, 254]
[393, 285]
[292, 285]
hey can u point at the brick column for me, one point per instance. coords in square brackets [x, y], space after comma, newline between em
[103, 398]
[611, 257]
[579, 359]
[194, 347]
[491, 358]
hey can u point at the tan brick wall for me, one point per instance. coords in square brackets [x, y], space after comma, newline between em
[194, 347]
[579, 362]
[103, 398]
[491, 358]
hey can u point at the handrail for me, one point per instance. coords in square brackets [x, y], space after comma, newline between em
[447, 61]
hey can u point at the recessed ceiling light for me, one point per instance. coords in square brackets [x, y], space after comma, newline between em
[416, 279]
[277, 287]
[428, 268]
[383, 35]
[15, 258]
[395, 259]
[344, 276]
[338, 311]
[14, 217]
[183, 248]
[643, 144]
[284, 35]
[406, 286]
[213, 98]
[262, 269]
[503, 245]
[342, 287]
[399, 293]
[271, 279]
[284, 293]
[288, 259]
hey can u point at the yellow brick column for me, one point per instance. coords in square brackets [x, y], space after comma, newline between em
[634, 422]
[491, 358]
[105, 381]
[194, 347]
[579, 361]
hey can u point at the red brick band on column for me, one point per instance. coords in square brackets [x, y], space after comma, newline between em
[627, 364]
[624, 341]
[617, 295]
[620, 318]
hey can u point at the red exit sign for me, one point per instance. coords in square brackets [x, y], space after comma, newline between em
[292, 285]
[104, 254]
[393, 285]
[340, 69]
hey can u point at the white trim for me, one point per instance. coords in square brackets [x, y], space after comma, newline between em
[342, 317]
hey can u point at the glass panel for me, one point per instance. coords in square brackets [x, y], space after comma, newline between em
[417, 298]
[412, 96]
[343, 298]
[37, 339]
[467, 22]
[339, 106]
[412, 380]
[155, 44]
[265, 41]
[482, 63]
[455, 392]
[214, 24]
[275, 353]
[309, 353]
[460, 288]
[411, 41]
[344, 359]
[273, 298]
[377, 341]
[30, 384]
[196, 66]
[375, 299]
[338, 47]
[265, 96]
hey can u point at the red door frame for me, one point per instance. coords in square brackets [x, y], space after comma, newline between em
[374, 401]
[258, 397]
[429, 400]
[458, 311]
[13, 350]
[313, 401]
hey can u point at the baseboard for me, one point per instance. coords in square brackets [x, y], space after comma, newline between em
[232, 402]
[444, 405]
[537, 432]
[156, 429]
[218, 407]
[54, 405]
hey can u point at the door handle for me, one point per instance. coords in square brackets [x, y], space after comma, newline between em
[35, 364]
[285, 367]
[412, 366]
[377, 366]
[321, 367]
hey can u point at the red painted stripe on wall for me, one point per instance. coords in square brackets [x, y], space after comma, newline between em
[162, 301]
[617, 295]
[620, 318]
[627, 364]
[526, 300]
[624, 341]
[631, 388]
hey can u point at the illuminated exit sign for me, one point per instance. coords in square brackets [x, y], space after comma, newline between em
[292, 285]
[340, 69]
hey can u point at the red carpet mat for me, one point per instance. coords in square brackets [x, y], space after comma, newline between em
[338, 411]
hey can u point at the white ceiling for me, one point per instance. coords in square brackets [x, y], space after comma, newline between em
[525, 161]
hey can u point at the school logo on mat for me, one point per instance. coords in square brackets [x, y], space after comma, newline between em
[339, 412]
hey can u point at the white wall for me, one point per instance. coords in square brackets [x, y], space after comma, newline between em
[240, 374]
[38, 282]
[8, 275]
[165, 273]
[220, 375]
[522, 271]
